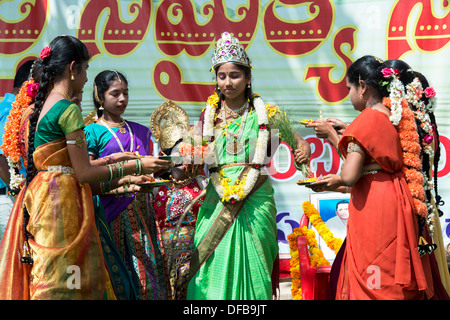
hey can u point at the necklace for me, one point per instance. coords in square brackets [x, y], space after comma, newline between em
[180, 183]
[105, 123]
[238, 111]
[371, 107]
[112, 124]
[234, 146]
[225, 192]
[62, 92]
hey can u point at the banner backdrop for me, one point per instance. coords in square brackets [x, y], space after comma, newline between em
[300, 52]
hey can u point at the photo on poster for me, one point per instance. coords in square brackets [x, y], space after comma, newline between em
[333, 209]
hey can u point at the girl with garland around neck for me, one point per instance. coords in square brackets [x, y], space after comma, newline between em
[128, 212]
[382, 220]
[43, 251]
[235, 240]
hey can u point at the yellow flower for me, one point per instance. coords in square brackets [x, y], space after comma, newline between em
[271, 110]
[213, 100]
[316, 256]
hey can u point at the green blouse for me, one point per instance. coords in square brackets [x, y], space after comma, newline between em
[62, 119]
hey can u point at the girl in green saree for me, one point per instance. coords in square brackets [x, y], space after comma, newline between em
[235, 240]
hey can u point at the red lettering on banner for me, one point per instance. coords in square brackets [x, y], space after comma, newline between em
[272, 171]
[168, 82]
[431, 33]
[178, 29]
[20, 35]
[119, 37]
[319, 146]
[297, 38]
[445, 148]
[319, 151]
[327, 89]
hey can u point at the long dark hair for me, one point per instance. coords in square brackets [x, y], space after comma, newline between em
[64, 50]
[368, 69]
[426, 163]
[248, 90]
[102, 82]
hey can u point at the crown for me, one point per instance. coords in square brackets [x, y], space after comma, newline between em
[169, 123]
[228, 49]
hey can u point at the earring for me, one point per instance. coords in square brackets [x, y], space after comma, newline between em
[101, 108]
[72, 78]
[249, 85]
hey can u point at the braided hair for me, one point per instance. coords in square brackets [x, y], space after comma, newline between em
[64, 50]
[426, 163]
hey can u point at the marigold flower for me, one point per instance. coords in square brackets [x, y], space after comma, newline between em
[412, 160]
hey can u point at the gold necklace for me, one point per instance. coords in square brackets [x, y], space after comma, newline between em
[62, 92]
[115, 124]
[179, 182]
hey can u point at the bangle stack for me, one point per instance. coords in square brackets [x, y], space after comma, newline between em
[139, 166]
[117, 170]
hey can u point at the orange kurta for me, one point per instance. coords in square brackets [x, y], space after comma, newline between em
[381, 259]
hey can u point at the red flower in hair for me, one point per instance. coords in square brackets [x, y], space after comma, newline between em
[32, 89]
[429, 92]
[389, 72]
[45, 53]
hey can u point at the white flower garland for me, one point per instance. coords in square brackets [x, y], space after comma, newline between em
[16, 179]
[247, 183]
[414, 92]
[396, 93]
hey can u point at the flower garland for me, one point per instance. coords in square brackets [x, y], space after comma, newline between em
[414, 93]
[315, 219]
[396, 91]
[316, 257]
[240, 190]
[412, 166]
[11, 144]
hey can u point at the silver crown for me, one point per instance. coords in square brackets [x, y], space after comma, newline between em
[228, 49]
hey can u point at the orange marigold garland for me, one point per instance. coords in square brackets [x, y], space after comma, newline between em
[409, 139]
[11, 144]
[316, 256]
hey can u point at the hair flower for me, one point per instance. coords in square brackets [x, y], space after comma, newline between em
[428, 139]
[389, 72]
[32, 89]
[45, 53]
[429, 92]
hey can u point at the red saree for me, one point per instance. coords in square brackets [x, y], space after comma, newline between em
[381, 259]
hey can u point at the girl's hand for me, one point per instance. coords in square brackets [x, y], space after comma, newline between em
[152, 164]
[338, 125]
[301, 155]
[331, 182]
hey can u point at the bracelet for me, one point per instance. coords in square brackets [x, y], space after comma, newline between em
[111, 171]
[138, 167]
[120, 170]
